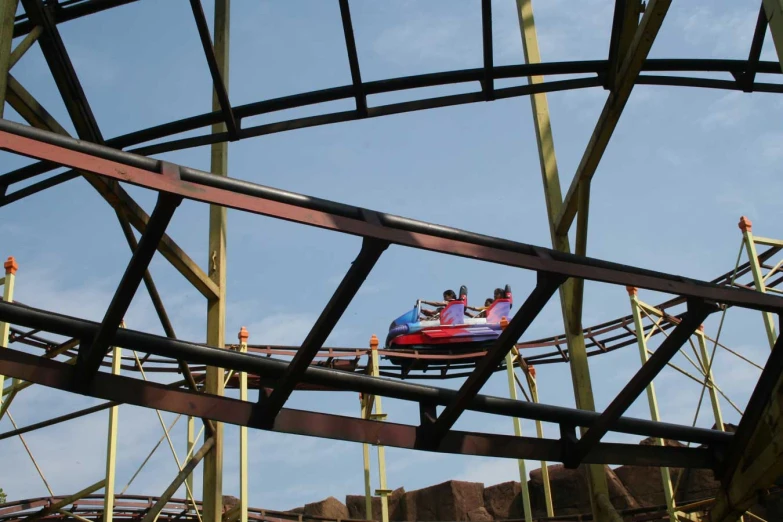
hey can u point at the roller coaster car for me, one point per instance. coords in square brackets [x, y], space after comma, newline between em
[450, 329]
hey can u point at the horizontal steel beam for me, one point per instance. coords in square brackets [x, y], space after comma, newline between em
[241, 195]
[232, 411]
[268, 368]
[597, 67]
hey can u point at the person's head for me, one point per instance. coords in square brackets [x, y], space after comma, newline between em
[488, 302]
[499, 293]
[449, 295]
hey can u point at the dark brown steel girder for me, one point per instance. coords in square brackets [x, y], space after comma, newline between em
[218, 81]
[63, 72]
[353, 58]
[269, 407]
[203, 186]
[546, 286]
[232, 411]
[695, 316]
[266, 368]
[71, 12]
[598, 67]
[94, 350]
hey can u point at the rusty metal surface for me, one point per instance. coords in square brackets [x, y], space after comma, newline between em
[133, 507]
[435, 364]
[233, 411]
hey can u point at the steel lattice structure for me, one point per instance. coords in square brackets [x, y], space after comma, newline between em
[108, 163]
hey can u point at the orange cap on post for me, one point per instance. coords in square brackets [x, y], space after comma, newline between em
[632, 290]
[373, 342]
[10, 265]
[532, 370]
[243, 335]
[701, 328]
[745, 224]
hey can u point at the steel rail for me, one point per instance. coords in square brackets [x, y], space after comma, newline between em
[259, 199]
[234, 411]
[272, 368]
[736, 68]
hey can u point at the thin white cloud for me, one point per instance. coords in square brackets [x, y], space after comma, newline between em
[428, 38]
[725, 33]
[729, 110]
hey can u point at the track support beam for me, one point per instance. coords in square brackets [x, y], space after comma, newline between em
[7, 13]
[755, 458]
[695, 316]
[774, 10]
[546, 286]
[630, 68]
[216, 305]
[666, 479]
[269, 407]
[571, 291]
[92, 352]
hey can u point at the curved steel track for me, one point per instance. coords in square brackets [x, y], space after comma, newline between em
[434, 364]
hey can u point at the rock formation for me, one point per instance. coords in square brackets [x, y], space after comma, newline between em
[630, 487]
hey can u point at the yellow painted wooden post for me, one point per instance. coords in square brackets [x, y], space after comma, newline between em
[366, 457]
[571, 291]
[668, 490]
[243, 500]
[8, 296]
[111, 446]
[750, 246]
[216, 307]
[7, 13]
[708, 376]
[191, 447]
[512, 392]
[530, 373]
[382, 491]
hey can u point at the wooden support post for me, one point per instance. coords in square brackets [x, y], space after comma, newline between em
[216, 307]
[580, 372]
[243, 495]
[512, 391]
[24, 45]
[382, 491]
[191, 447]
[530, 373]
[7, 14]
[8, 296]
[155, 510]
[774, 11]
[709, 379]
[666, 479]
[366, 410]
[750, 247]
[111, 446]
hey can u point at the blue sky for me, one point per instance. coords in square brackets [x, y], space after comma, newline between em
[682, 167]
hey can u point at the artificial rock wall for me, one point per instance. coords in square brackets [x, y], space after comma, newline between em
[629, 487]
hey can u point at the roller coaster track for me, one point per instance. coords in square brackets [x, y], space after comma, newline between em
[134, 507]
[600, 339]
